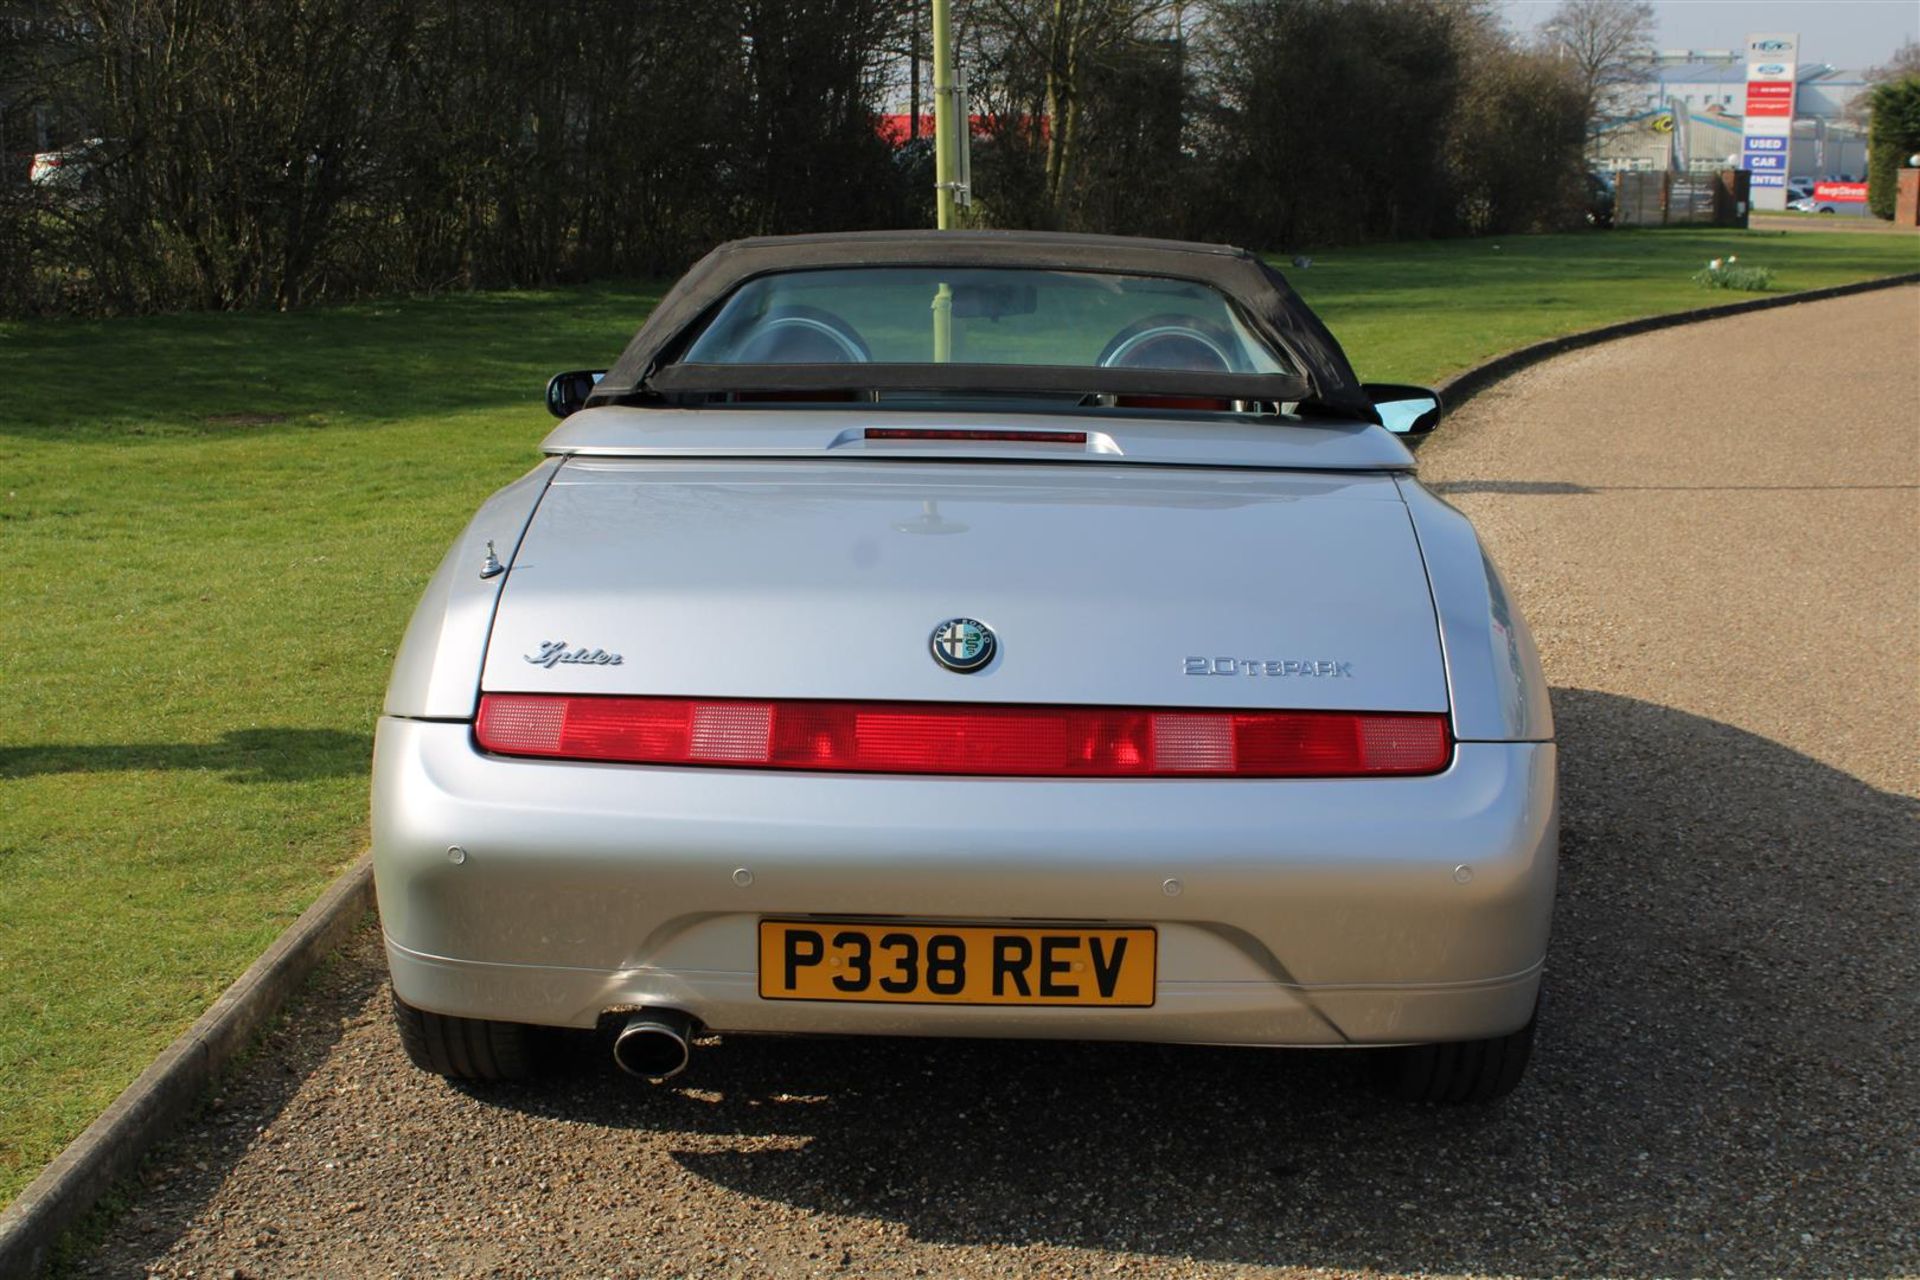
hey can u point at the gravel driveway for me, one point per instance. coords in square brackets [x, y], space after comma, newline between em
[1716, 534]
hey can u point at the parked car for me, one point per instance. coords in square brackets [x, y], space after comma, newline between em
[1600, 200]
[972, 634]
[1835, 195]
[68, 169]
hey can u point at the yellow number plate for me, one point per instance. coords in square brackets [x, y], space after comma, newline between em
[955, 964]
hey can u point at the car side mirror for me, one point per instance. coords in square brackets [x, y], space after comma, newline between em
[568, 392]
[1411, 413]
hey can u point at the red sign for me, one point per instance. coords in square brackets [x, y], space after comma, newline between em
[1841, 192]
[897, 129]
[1770, 98]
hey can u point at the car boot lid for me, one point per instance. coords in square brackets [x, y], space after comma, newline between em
[1148, 587]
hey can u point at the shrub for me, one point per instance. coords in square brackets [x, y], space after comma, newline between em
[1893, 136]
[1729, 274]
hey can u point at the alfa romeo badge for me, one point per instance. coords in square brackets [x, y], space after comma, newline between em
[962, 644]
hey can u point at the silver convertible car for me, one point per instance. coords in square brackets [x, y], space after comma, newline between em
[972, 634]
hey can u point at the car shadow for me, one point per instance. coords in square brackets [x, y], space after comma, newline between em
[1527, 488]
[243, 755]
[1564, 488]
[1725, 1083]
[1730, 1011]
[267, 374]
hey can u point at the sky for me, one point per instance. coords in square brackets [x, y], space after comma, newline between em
[1854, 34]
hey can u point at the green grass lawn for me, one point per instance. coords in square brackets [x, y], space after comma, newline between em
[212, 529]
[1418, 312]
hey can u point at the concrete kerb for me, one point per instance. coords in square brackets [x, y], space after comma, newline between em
[169, 1090]
[1464, 386]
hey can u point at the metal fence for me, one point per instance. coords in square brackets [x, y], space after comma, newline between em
[1660, 198]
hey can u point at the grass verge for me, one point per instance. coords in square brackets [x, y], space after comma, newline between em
[212, 529]
[1420, 312]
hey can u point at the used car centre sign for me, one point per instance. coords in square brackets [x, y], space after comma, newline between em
[1767, 130]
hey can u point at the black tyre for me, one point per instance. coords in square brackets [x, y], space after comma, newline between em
[463, 1048]
[1458, 1072]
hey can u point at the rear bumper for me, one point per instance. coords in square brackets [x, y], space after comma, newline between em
[1306, 912]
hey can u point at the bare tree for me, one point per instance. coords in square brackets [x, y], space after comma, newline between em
[279, 153]
[1332, 116]
[1066, 42]
[283, 152]
[1904, 62]
[1606, 43]
[1515, 140]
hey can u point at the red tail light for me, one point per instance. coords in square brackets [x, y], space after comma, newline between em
[974, 435]
[993, 741]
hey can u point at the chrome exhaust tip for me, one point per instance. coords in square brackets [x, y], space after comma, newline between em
[654, 1044]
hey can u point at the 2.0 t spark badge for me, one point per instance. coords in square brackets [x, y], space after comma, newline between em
[1267, 667]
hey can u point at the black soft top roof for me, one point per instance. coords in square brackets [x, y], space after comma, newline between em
[1273, 310]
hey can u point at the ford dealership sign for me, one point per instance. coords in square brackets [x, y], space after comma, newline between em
[1766, 127]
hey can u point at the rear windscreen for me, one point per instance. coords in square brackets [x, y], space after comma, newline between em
[985, 316]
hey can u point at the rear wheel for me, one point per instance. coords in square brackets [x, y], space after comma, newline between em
[463, 1048]
[1461, 1071]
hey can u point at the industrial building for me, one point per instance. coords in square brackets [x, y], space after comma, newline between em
[1685, 113]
